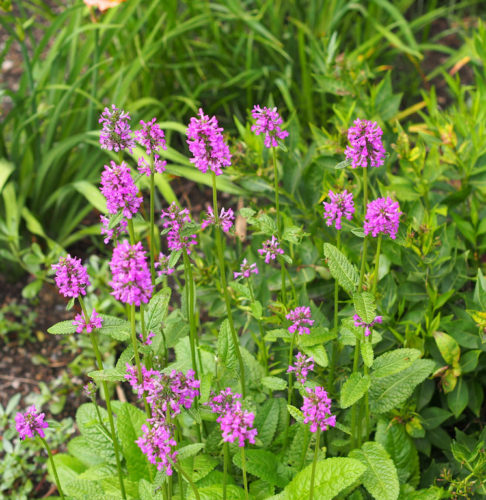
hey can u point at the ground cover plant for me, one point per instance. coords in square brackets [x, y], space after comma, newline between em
[318, 334]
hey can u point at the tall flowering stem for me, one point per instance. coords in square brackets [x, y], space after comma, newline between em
[335, 344]
[260, 327]
[54, 470]
[107, 400]
[222, 270]
[243, 468]
[314, 462]
[365, 241]
[355, 424]
[190, 309]
[377, 265]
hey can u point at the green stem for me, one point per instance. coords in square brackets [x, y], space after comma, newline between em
[152, 224]
[354, 411]
[189, 480]
[243, 467]
[335, 343]
[260, 326]
[289, 394]
[377, 264]
[366, 403]
[277, 202]
[219, 246]
[282, 275]
[131, 231]
[304, 448]
[314, 462]
[226, 467]
[365, 242]
[190, 311]
[51, 458]
[107, 399]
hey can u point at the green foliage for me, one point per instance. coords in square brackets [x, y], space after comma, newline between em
[341, 269]
[354, 389]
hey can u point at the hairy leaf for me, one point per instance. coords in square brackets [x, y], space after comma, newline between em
[341, 269]
[354, 389]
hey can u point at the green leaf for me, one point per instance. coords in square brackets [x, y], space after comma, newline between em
[364, 304]
[215, 492]
[318, 353]
[274, 383]
[367, 352]
[341, 269]
[157, 310]
[293, 234]
[296, 413]
[80, 448]
[401, 448]
[241, 289]
[266, 420]
[147, 491]
[433, 416]
[226, 349]
[380, 477]
[354, 389]
[390, 392]
[116, 328]
[448, 347]
[92, 194]
[332, 476]
[189, 450]
[129, 425]
[108, 375]
[469, 361]
[62, 328]
[457, 399]
[198, 466]
[262, 464]
[393, 362]
[256, 309]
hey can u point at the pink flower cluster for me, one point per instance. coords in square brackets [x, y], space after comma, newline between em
[317, 409]
[175, 219]
[115, 134]
[207, 145]
[382, 217]
[131, 280]
[71, 277]
[30, 422]
[341, 205]
[302, 367]
[300, 316]
[236, 423]
[268, 122]
[148, 340]
[245, 270]
[366, 147]
[94, 322]
[158, 444]
[226, 219]
[120, 191]
[271, 248]
[114, 232]
[162, 264]
[152, 138]
[367, 326]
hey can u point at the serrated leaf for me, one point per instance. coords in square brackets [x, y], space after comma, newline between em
[265, 224]
[256, 309]
[226, 349]
[116, 328]
[242, 290]
[367, 352]
[293, 234]
[318, 353]
[157, 310]
[262, 464]
[354, 389]
[62, 328]
[266, 420]
[80, 448]
[364, 304]
[341, 269]
[108, 375]
[401, 448]
[274, 383]
[389, 392]
[318, 335]
[380, 477]
[215, 492]
[393, 362]
[332, 476]
[246, 212]
[296, 413]
[148, 491]
[189, 450]
[198, 466]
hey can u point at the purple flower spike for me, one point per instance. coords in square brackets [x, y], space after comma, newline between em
[158, 444]
[148, 340]
[111, 234]
[382, 217]
[271, 248]
[224, 401]
[245, 270]
[366, 147]
[162, 264]
[317, 409]
[207, 145]
[300, 316]
[71, 277]
[116, 134]
[120, 191]
[175, 219]
[268, 122]
[226, 219]
[152, 138]
[30, 422]
[302, 367]
[131, 281]
[341, 205]
[80, 321]
[367, 326]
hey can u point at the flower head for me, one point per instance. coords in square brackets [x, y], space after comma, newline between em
[71, 277]
[300, 316]
[116, 134]
[162, 264]
[270, 249]
[317, 409]
[112, 233]
[367, 326]
[131, 280]
[175, 219]
[382, 217]
[152, 138]
[226, 219]
[366, 147]
[148, 340]
[80, 321]
[245, 270]
[30, 422]
[207, 145]
[268, 122]
[302, 367]
[341, 205]
[224, 401]
[120, 191]
[158, 444]
[89, 391]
